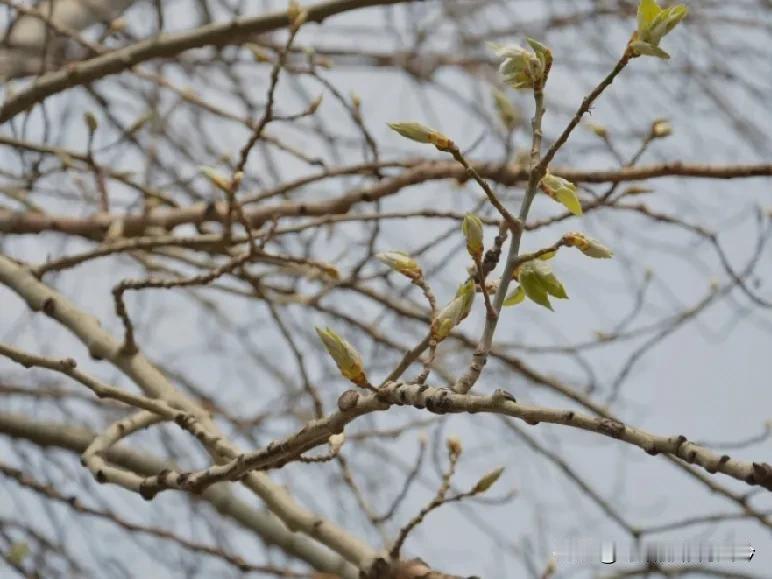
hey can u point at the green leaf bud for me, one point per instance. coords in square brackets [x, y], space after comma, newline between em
[422, 134]
[346, 357]
[587, 245]
[472, 228]
[487, 481]
[91, 122]
[401, 262]
[661, 128]
[508, 113]
[514, 298]
[562, 191]
[454, 312]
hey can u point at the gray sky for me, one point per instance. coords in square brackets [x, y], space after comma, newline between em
[708, 380]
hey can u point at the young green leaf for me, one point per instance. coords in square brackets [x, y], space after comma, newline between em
[538, 282]
[544, 55]
[654, 23]
[535, 289]
[549, 280]
[514, 298]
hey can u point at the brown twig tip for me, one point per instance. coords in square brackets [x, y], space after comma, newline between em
[502, 395]
[392, 568]
[611, 427]
[129, 348]
[348, 400]
[762, 474]
[49, 306]
[147, 492]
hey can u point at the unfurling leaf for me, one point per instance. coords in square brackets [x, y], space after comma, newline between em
[552, 283]
[538, 282]
[654, 23]
[646, 49]
[535, 290]
[401, 262]
[516, 297]
[487, 481]
[544, 55]
[346, 357]
[562, 191]
[523, 68]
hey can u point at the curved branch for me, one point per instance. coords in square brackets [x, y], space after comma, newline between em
[353, 404]
[136, 224]
[167, 46]
[46, 433]
[153, 383]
